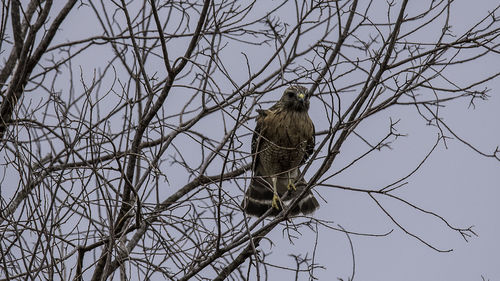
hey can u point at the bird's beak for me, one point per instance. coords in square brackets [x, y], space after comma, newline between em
[301, 96]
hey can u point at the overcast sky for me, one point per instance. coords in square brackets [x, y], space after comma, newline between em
[455, 182]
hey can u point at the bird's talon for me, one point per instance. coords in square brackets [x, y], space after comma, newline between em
[291, 186]
[275, 204]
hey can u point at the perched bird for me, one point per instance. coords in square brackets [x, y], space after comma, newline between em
[283, 139]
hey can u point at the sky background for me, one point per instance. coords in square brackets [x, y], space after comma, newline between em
[455, 182]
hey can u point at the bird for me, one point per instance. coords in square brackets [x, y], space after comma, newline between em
[282, 141]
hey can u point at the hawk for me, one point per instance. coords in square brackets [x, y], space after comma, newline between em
[283, 139]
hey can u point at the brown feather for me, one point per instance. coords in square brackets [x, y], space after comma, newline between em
[283, 140]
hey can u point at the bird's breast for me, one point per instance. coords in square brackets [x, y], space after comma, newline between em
[284, 140]
[289, 129]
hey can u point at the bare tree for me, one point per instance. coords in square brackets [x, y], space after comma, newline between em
[125, 125]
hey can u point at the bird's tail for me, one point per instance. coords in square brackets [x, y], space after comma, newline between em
[259, 197]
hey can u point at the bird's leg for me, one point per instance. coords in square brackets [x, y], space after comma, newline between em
[276, 198]
[290, 183]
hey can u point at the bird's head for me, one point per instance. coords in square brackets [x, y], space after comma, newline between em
[295, 98]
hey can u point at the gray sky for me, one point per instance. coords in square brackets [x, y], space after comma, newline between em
[455, 182]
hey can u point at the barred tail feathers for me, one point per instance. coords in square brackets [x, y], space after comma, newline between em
[308, 203]
[259, 195]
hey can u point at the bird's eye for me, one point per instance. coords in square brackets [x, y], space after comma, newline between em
[290, 94]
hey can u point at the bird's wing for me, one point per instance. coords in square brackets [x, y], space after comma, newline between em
[257, 137]
[310, 145]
